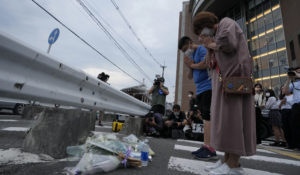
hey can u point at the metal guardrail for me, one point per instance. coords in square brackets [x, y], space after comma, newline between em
[28, 74]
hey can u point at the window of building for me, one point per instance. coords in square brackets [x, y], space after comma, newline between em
[274, 2]
[266, 5]
[268, 19]
[267, 84]
[251, 27]
[264, 62]
[280, 44]
[262, 42]
[256, 68]
[251, 4]
[277, 14]
[275, 83]
[254, 45]
[292, 49]
[274, 70]
[260, 23]
[270, 38]
[282, 58]
[279, 35]
[273, 60]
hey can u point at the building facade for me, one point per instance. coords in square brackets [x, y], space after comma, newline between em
[263, 26]
[291, 24]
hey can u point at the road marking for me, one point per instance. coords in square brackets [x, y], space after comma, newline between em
[189, 141]
[285, 153]
[109, 127]
[197, 167]
[191, 149]
[8, 120]
[255, 157]
[15, 129]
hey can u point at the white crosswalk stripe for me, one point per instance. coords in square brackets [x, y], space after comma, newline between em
[8, 120]
[255, 157]
[15, 129]
[195, 166]
[191, 149]
[104, 126]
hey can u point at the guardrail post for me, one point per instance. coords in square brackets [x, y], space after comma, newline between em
[56, 129]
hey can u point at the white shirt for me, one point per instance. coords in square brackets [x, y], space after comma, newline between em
[259, 100]
[289, 102]
[296, 91]
[272, 103]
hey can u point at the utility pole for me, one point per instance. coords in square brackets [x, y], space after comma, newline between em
[163, 67]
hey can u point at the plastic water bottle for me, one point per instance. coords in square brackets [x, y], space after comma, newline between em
[145, 154]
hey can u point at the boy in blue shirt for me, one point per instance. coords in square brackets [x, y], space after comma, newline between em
[194, 59]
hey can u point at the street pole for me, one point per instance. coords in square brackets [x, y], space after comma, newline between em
[163, 67]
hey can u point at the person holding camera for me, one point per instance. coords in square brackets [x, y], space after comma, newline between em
[153, 124]
[103, 77]
[159, 93]
[194, 59]
[293, 85]
[175, 123]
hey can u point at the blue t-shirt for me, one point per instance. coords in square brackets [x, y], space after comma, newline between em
[201, 78]
[296, 91]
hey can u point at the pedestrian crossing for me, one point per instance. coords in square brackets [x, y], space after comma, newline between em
[194, 166]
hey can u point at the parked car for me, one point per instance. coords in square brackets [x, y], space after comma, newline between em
[16, 106]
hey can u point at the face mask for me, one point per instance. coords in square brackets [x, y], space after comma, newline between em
[297, 74]
[190, 95]
[268, 94]
[176, 113]
[189, 52]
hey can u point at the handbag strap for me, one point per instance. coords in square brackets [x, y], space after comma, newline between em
[219, 70]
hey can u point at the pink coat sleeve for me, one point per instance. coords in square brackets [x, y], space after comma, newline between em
[227, 37]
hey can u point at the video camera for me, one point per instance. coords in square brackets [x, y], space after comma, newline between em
[292, 72]
[103, 77]
[158, 80]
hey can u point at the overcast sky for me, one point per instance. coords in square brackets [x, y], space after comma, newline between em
[154, 21]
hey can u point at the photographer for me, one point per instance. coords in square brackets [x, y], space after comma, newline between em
[293, 85]
[103, 77]
[153, 124]
[176, 122]
[159, 93]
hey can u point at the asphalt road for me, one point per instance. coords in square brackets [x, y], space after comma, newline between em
[172, 157]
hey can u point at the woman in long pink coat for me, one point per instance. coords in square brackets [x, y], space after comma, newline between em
[233, 129]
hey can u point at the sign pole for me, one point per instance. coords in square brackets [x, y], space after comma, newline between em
[49, 48]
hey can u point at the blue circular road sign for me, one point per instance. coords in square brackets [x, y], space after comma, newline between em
[53, 36]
